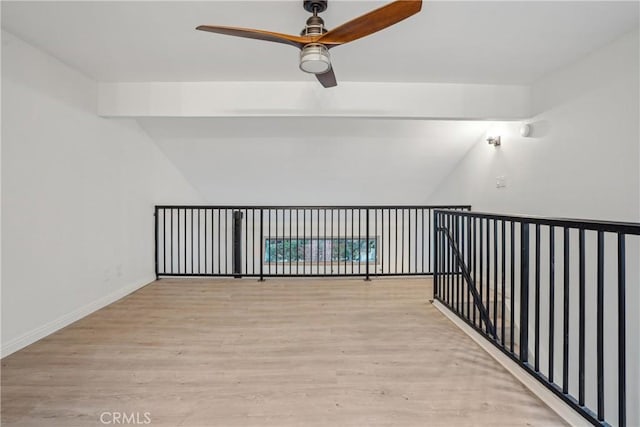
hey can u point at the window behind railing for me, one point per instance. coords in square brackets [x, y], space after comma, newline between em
[319, 250]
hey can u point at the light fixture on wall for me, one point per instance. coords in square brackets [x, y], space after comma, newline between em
[494, 140]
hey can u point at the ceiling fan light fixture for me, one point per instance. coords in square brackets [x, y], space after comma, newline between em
[315, 40]
[315, 59]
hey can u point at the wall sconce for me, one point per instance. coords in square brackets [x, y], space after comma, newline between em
[494, 140]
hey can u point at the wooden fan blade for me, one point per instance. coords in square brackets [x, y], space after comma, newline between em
[297, 41]
[371, 22]
[327, 79]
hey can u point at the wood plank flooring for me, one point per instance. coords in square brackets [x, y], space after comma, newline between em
[278, 353]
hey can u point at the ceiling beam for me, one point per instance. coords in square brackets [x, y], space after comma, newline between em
[309, 99]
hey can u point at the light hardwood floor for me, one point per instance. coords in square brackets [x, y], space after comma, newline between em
[277, 353]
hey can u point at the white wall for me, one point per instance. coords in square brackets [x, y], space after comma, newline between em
[581, 161]
[313, 161]
[77, 197]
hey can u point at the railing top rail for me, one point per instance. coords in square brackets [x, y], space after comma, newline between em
[313, 207]
[595, 225]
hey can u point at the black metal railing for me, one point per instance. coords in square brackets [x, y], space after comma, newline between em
[550, 294]
[294, 241]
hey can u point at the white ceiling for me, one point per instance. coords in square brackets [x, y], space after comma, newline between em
[467, 42]
[313, 160]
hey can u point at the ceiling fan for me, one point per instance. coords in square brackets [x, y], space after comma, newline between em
[315, 40]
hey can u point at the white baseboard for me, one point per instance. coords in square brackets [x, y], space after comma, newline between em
[547, 396]
[65, 320]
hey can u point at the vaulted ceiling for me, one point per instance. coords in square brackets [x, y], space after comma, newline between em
[317, 159]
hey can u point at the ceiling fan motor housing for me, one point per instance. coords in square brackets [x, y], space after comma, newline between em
[314, 27]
